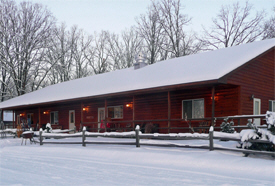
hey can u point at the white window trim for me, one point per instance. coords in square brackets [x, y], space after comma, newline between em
[272, 103]
[71, 111]
[182, 114]
[254, 101]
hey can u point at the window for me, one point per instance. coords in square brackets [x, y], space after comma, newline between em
[115, 112]
[54, 117]
[30, 118]
[257, 106]
[257, 110]
[193, 108]
[272, 105]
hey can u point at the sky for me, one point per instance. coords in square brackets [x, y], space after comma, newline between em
[118, 15]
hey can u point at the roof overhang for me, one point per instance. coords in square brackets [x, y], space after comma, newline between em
[192, 85]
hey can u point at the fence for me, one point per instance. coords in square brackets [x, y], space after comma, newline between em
[137, 135]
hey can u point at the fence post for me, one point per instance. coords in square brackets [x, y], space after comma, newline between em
[83, 137]
[40, 136]
[211, 145]
[74, 129]
[137, 136]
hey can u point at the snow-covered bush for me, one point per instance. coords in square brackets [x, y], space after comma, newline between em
[270, 121]
[261, 134]
[227, 126]
[49, 128]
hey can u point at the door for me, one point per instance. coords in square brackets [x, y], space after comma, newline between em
[101, 116]
[71, 119]
[257, 110]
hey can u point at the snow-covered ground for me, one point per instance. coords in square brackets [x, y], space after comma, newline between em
[53, 164]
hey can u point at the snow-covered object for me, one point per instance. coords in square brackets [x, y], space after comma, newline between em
[227, 135]
[9, 130]
[211, 129]
[137, 127]
[201, 67]
[28, 132]
[49, 127]
[270, 118]
[248, 134]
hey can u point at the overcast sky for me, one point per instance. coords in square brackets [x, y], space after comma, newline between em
[116, 15]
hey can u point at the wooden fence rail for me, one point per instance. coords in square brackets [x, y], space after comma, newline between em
[137, 135]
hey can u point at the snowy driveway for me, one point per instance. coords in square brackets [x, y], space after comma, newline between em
[127, 165]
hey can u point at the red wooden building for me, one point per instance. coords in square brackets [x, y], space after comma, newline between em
[239, 80]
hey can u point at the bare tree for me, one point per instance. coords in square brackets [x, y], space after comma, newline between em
[115, 50]
[150, 30]
[172, 22]
[269, 27]
[122, 50]
[234, 25]
[67, 54]
[81, 45]
[98, 54]
[25, 30]
[59, 55]
[132, 44]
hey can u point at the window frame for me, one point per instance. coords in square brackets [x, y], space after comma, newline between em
[117, 106]
[271, 105]
[254, 106]
[55, 122]
[182, 114]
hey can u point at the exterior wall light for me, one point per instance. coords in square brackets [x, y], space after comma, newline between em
[129, 105]
[216, 98]
[252, 97]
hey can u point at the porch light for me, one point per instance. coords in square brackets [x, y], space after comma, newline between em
[129, 105]
[21, 115]
[85, 109]
[215, 98]
[45, 112]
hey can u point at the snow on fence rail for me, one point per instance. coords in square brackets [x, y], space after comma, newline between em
[7, 131]
[138, 135]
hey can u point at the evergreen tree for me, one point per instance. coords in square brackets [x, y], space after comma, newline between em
[227, 126]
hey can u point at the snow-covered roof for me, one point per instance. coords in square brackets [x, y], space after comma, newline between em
[200, 67]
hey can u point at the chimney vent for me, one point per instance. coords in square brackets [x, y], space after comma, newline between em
[140, 61]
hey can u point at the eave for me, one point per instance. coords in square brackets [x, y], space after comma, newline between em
[192, 85]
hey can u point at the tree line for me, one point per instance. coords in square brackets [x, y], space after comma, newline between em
[36, 52]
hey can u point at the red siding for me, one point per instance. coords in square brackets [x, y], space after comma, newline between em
[256, 78]
[152, 106]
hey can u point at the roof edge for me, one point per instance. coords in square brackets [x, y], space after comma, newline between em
[224, 78]
[133, 92]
